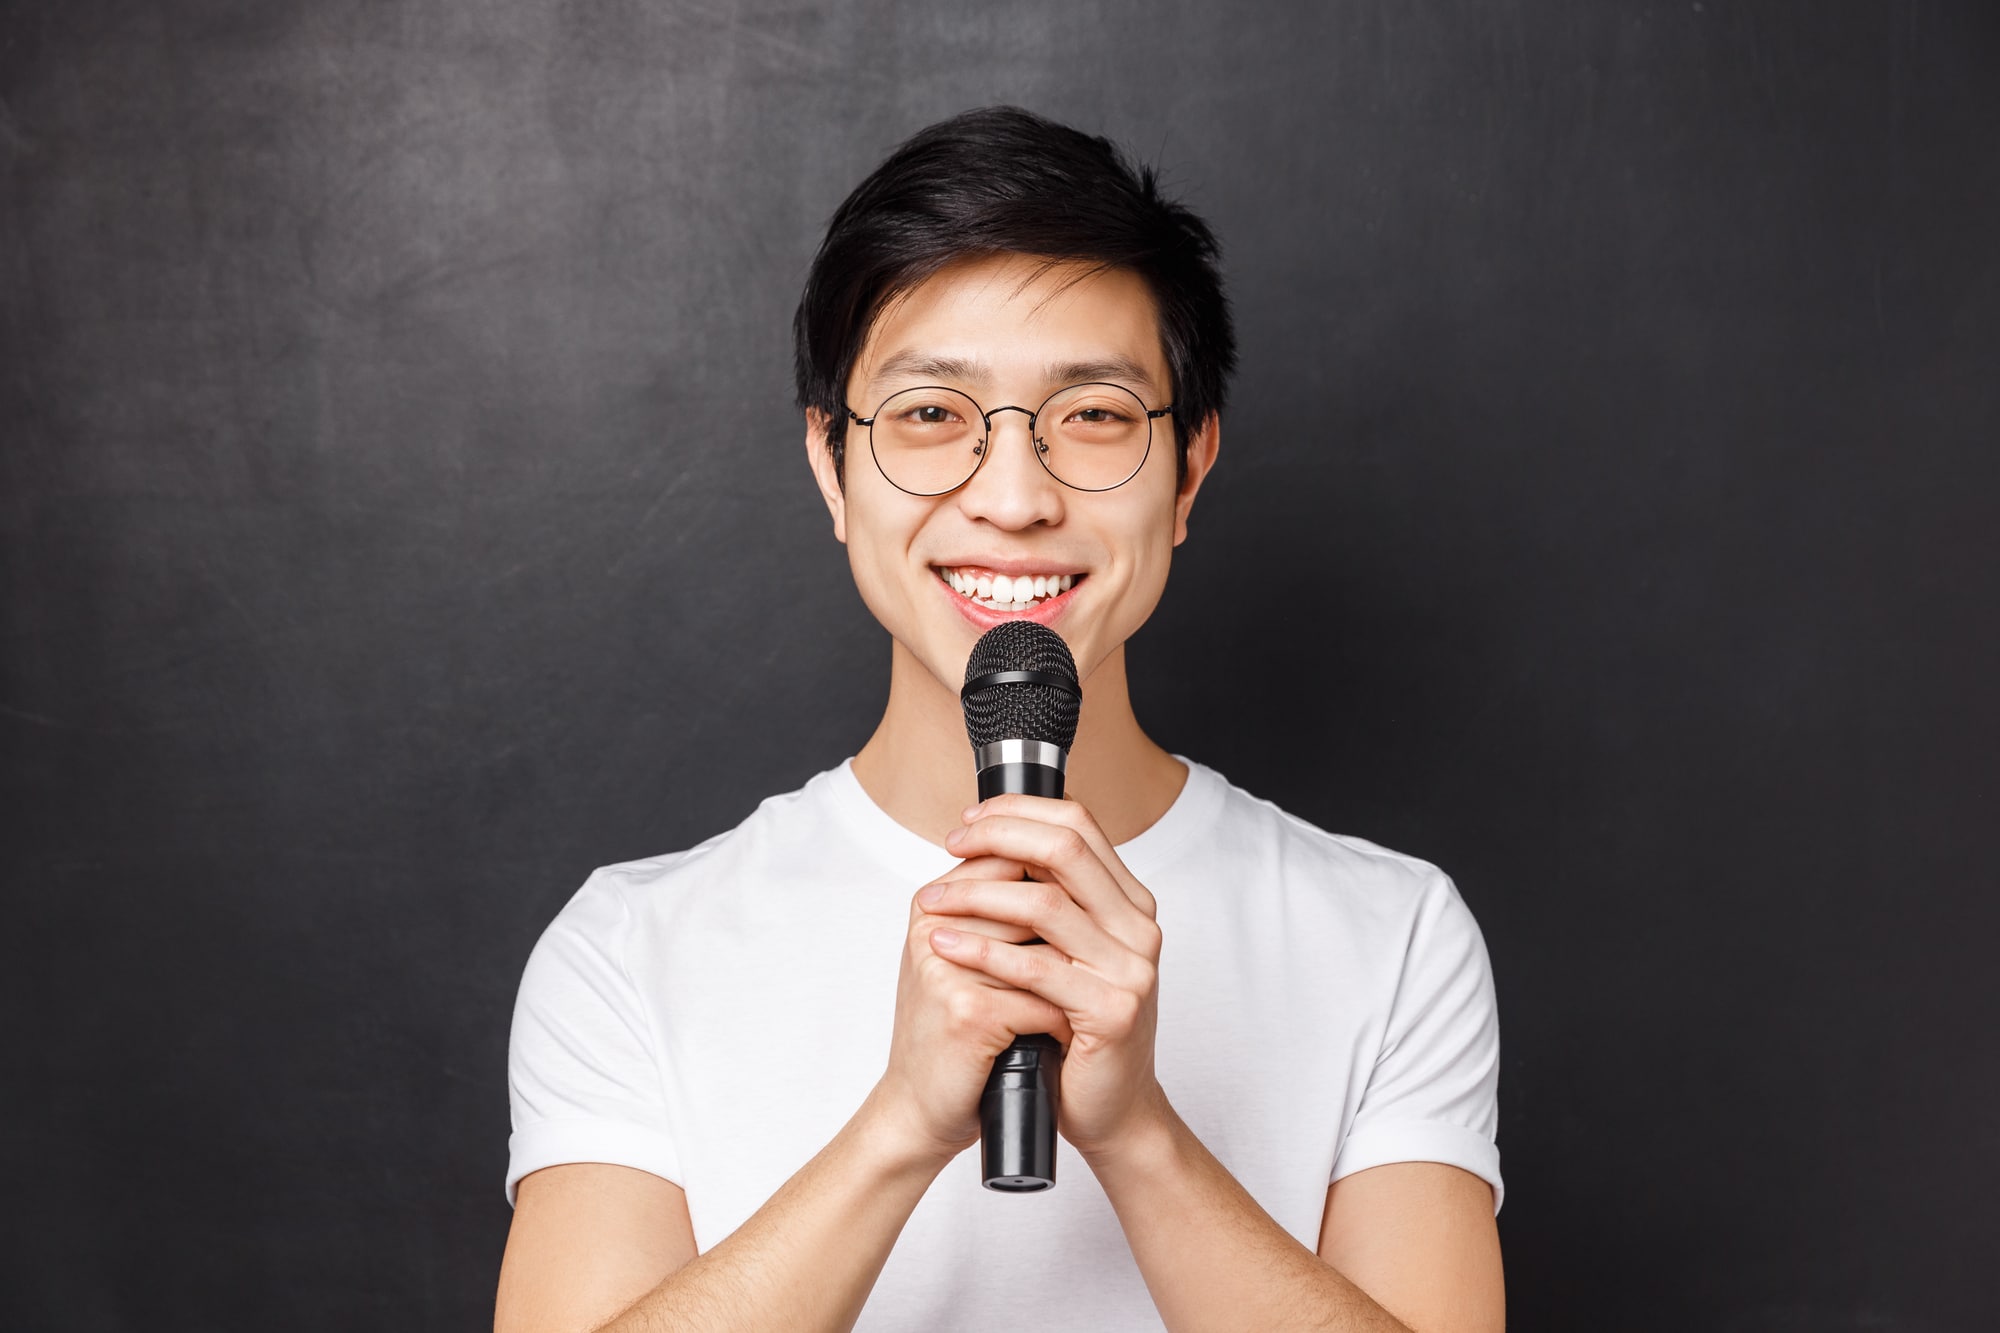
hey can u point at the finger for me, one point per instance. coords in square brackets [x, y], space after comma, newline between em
[993, 929]
[987, 867]
[1072, 815]
[1038, 968]
[973, 867]
[977, 867]
[984, 1006]
[1063, 854]
[1046, 911]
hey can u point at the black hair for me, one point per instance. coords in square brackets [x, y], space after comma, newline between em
[1002, 180]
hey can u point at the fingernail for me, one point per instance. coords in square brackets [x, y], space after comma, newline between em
[953, 838]
[931, 894]
[944, 938]
[970, 811]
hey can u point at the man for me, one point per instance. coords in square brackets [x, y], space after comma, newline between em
[746, 1076]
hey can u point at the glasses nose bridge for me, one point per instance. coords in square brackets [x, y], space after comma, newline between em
[987, 417]
[986, 441]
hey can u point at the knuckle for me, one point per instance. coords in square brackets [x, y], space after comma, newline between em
[1069, 814]
[1070, 845]
[1046, 901]
[963, 1008]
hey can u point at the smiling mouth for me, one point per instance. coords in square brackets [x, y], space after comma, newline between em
[998, 592]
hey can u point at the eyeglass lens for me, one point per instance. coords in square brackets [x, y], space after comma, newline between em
[1089, 436]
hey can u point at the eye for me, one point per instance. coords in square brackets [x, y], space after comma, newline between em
[929, 414]
[1097, 415]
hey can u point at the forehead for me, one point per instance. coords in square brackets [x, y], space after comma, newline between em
[1017, 321]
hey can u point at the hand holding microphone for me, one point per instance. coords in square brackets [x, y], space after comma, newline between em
[1070, 952]
[1091, 985]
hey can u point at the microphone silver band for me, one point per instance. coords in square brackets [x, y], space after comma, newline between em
[1020, 752]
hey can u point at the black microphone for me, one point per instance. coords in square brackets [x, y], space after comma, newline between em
[1021, 700]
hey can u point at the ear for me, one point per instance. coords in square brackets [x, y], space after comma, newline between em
[1200, 459]
[821, 457]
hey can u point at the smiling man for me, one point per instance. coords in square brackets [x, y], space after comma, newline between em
[745, 1077]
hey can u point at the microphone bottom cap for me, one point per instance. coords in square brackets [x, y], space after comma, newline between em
[1017, 1117]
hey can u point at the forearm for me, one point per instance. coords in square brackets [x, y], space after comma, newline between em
[1211, 1256]
[809, 1257]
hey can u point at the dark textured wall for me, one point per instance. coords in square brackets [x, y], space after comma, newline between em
[402, 512]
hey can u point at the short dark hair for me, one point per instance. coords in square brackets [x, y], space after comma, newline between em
[1002, 180]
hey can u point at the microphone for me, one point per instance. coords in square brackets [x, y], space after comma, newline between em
[1021, 699]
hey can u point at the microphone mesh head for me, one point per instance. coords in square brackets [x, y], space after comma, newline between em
[1021, 710]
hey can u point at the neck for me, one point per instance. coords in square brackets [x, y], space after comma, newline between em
[918, 764]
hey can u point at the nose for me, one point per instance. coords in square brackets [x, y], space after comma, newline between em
[1011, 489]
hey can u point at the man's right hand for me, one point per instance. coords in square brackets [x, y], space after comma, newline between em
[952, 1022]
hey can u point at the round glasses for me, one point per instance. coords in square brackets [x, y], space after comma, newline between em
[1090, 437]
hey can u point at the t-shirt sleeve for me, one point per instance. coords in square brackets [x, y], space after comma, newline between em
[582, 1084]
[1433, 1093]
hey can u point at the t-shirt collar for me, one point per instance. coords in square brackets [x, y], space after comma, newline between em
[917, 860]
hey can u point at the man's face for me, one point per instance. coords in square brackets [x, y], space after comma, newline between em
[998, 332]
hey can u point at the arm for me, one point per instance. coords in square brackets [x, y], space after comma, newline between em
[587, 1236]
[1421, 1235]
[1417, 1231]
[592, 1240]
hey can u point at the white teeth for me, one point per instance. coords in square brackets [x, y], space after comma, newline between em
[1005, 592]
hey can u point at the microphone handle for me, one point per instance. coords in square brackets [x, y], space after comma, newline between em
[1017, 1111]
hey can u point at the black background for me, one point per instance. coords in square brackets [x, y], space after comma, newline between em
[403, 513]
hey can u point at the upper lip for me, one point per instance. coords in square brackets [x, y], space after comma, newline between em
[1009, 566]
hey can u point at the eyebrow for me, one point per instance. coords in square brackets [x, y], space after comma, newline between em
[1058, 373]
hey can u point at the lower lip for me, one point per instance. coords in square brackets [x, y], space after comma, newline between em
[1045, 612]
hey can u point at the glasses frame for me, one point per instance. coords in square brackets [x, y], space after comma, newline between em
[986, 423]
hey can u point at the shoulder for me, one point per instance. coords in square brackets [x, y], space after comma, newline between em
[1364, 873]
[615, 893]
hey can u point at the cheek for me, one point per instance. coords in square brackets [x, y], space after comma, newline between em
[1149, 569]
[1144, 537]
[879, 534]
[1150, 530]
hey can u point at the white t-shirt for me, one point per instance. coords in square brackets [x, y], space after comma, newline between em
[716, 1015]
